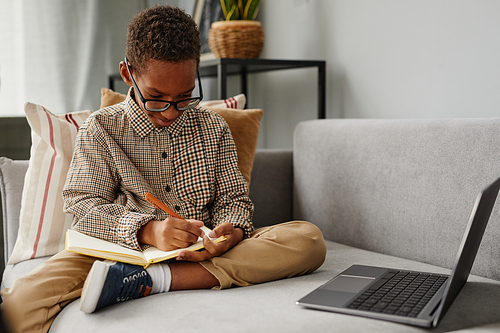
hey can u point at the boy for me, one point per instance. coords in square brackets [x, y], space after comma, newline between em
[159, 141]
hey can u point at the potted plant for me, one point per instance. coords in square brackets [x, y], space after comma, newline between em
[239, 36]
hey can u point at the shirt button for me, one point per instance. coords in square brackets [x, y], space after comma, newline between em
[164, 155]
[177, 208]
[167, 188]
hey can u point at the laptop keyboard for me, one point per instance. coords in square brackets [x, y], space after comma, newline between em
[400, 293]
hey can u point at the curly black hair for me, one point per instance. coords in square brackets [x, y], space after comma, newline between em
[162, 33]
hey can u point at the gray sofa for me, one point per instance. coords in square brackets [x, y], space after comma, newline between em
[394, 193]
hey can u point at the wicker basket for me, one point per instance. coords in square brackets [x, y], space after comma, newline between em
[236, 39]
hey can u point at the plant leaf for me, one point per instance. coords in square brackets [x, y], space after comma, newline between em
[251, 9]
[241, 7]
[233, 13]
[229, 8]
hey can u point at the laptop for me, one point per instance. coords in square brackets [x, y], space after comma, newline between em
[402, 296]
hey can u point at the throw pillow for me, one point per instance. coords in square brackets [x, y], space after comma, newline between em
[236, 102]
[110, 97]
[42, 222]
[244, 125]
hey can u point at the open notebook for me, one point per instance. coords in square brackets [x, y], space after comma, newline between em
[91, 246]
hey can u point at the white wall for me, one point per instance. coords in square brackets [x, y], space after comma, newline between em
[385, 59]
[59, 53]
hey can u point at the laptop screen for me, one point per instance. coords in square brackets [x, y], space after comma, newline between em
[468, 248]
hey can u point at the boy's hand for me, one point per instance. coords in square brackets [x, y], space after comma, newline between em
[171, 233]
[233, 236]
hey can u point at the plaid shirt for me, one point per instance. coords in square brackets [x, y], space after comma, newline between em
[190, 165]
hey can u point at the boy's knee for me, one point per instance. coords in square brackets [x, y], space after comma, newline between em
[313, 245]
[307, 244]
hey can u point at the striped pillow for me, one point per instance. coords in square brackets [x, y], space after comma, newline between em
[42, 222]
[236, 102]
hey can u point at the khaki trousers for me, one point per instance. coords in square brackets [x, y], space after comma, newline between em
[271, 253]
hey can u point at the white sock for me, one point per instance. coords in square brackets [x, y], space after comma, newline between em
[161, 277]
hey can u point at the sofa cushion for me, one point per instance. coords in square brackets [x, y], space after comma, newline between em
[12, 175]
[42, 221]
[401, 187]
[16, 271]
[274, 305]
[274, 302]
[271, 188]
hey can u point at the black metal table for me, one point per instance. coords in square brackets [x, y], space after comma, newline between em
[222, 68]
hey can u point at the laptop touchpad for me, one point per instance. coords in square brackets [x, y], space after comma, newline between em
[350, 284]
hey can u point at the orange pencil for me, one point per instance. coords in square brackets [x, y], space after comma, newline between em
[160, 205]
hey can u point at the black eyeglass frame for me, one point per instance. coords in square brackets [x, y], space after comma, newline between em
[196, 100]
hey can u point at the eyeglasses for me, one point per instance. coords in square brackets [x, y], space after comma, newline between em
[158, 105]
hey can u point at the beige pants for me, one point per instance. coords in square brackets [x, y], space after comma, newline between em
[271, 253]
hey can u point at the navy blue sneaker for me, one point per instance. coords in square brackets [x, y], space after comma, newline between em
[111, 282]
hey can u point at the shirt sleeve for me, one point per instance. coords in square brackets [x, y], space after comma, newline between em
[231, 203]
[101, 207]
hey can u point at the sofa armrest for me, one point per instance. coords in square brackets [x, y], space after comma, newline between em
[271, 187]
[12, 174]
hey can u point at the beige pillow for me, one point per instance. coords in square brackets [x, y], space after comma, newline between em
[110, 97]
[244, 125]
[42, 222]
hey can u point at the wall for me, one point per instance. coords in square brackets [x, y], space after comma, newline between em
[59, 53]
[385, 59]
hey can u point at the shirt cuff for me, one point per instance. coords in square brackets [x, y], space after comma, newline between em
[242, 223]
[128, 226]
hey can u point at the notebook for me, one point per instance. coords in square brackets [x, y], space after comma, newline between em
[413, 298]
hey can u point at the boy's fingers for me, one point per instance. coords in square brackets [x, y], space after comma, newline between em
[209, 245]
[195, 256]
[197, 223]
[191, 228]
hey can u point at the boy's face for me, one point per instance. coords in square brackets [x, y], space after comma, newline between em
[163, 80]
